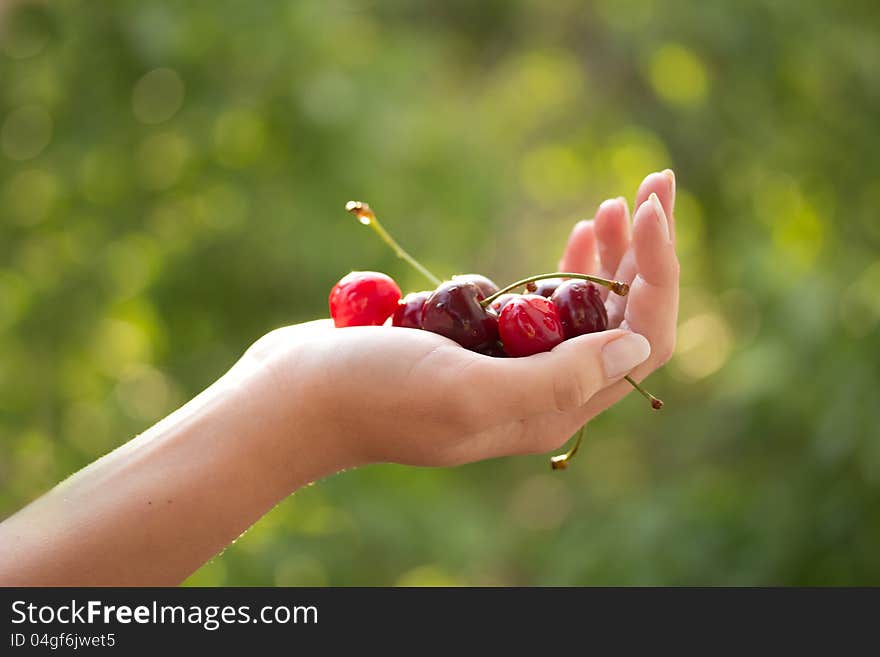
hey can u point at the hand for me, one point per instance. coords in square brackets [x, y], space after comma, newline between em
[402, 395]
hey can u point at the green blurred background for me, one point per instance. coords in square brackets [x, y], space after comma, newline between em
[172, 177]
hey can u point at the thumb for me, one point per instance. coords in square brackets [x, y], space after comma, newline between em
[562, 379]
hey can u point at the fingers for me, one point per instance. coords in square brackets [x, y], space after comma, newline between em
[661, 183]
[652, 303]
[652, 309]
[560, 380]
[612, 236]
[652, 245]
[580, 251]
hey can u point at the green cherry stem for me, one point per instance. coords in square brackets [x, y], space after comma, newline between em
[656, 404]
[560, 462]
[617, 287]
[367, 217]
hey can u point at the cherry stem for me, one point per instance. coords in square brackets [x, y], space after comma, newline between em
[560, 462]
[656, 404]
[367, 217]
[617, 287]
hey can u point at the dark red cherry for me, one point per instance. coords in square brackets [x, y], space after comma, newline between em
[363, 298]
[500, 302]
[529, 325]
[409, 310]
[453, 310]
[486, 286]
[547, 286]
[581, 309]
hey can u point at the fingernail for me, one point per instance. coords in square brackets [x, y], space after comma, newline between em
[607, 204]
[669, 173]
[623, 354]
[660, 214]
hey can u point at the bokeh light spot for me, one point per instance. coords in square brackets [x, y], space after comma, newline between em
[633, 151]
[704, 344]
[552, 173]
[429, 575]
[226, 207]
[26, 30]
[539, 85]
[157, 96]
[117, 343]
[30, 196]
[144, 392]
[239, 137]
[678, 76]
[540, 502]
[161, 160]
[103, 176]
[15, 296]
[131, 264]
[26, 132]
[329, 98]
[799, 235]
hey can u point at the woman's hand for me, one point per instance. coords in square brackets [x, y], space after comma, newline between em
[408, 396]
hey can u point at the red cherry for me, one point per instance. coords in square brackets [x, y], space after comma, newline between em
[363, 298]
[409, 310]
[485, 285]
[580, 307]
[453, 310]
[500, 302]
[529, 325]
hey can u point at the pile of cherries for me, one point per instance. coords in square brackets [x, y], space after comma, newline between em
[473, 311]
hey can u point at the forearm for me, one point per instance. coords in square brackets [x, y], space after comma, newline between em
[154, 510]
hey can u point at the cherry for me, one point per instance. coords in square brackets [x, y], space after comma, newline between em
[547, 286]
[454, 311]
[500, 302]
[486, 285]
[581, 309]
[529, 325]
[363, 298]
[409, 310]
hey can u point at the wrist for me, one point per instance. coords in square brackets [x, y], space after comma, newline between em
[274, 396]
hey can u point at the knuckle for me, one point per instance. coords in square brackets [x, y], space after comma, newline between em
[568, 392]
